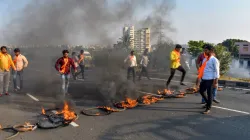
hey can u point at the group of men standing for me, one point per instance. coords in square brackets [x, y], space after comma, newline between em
[207, 66]
[18, 64]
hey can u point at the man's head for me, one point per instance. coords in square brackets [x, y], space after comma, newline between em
[65, 53]
[82, 51]
[132, 53]
[17, 51]
[178, 47]
[208, 49]
[4, 49]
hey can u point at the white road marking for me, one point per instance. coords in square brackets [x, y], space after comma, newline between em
[32, 97]
[74, 124]
[233, 110]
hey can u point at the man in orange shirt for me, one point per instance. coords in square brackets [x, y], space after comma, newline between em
[5, 64]
[63, 66]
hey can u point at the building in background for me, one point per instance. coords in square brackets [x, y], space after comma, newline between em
[142, 40]
[244, 50]
[244, 54]
[139, 40]
[129, 31]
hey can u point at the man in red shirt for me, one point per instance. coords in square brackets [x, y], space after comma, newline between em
[199, 61]
[63, 66]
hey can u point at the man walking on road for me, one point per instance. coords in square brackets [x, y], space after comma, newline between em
[175, 58]
[63, 66]
[81, 64]
[5, 64]
[144, 64]
[75, 59]
[199, 61]
[209, 74]
[20, 62]
[131, 60]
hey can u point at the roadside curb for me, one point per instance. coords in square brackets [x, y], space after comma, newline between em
[227, 83]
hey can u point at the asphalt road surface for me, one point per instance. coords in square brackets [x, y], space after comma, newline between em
[178, 119]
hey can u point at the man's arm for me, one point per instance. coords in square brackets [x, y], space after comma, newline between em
[217, 72]
[135, 61]
[173, 57]
[25, 62]
[81, 58]
[12, 63]
[198, 62]
[57, 64]
[126, 59]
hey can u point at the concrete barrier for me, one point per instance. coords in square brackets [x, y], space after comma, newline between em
[226, 83]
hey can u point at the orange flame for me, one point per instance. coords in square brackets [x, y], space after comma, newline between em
[68, 115]
[148, 99]
[165, 92]
[43, 111]
[192, 90]
[129, 103]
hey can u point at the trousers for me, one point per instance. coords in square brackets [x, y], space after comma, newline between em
[4, 81]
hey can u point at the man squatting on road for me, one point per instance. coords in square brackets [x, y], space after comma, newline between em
[209, 74]
[144, 64]
[5, 64]
[63, 66]
[199, 61]
[131, 60]
[175, 58]
[81, 64]
[20, 62]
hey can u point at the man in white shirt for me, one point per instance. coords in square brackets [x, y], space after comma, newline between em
[144, 64]
[131, 61]
[209, 74]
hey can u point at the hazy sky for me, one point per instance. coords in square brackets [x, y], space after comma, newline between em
[209, 20]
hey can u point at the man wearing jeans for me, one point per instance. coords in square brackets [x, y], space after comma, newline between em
[20, 62]
[209, 73]
[144, 63]
[5, 64]
[63, 66]
[131, 60]
[199, 61]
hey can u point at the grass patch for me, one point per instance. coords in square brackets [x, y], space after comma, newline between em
[234, 79]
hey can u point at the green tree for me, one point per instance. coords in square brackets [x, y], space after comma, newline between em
[231, 47]
[195, 47]
[224, 57]
[159, 58]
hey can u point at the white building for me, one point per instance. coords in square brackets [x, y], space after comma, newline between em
[244, 49]
[139, 39]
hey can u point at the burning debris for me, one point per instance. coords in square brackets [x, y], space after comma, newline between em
[149, 99]
[55, 117]
[192, 90]
[166, 93]
[128, 103]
